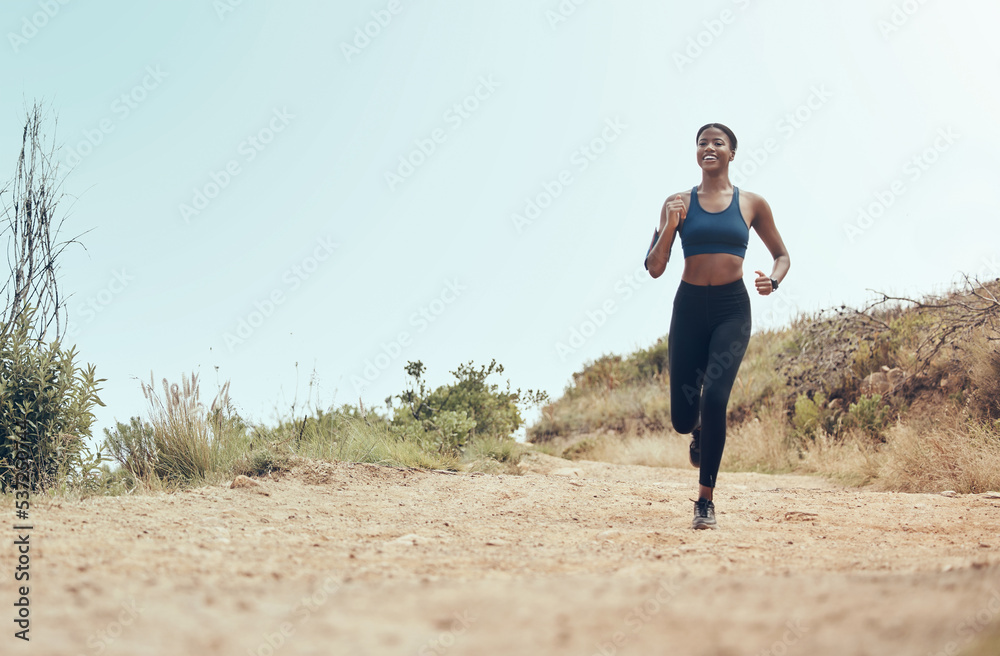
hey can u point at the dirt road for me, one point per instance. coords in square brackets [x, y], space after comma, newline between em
[570, 558]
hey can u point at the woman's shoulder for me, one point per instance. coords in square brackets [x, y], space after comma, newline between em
[752, 196]
[685, 195]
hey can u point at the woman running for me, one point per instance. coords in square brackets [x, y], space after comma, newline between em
[710, 325]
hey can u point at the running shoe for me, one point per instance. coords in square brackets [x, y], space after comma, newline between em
[694, 451]
[704, 514]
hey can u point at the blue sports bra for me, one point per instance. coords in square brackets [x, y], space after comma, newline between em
[714, 232]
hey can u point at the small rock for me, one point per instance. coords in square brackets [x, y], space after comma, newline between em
[409, 539]
[949, 493]
[244, 481]
[566, 471]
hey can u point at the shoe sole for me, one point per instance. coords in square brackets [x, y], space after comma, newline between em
[703, 525]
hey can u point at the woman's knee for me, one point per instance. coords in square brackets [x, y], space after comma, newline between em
[683, 422]
[683, 416]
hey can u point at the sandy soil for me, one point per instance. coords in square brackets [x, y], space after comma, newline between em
[569, 558]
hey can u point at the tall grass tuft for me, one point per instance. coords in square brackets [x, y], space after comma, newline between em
[182, 442]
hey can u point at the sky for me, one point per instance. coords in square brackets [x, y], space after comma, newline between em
[300, 198]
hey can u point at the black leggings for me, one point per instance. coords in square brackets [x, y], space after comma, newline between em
[709, 333]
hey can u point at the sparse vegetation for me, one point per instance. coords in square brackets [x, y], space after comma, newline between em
[891, 397]
[467, 425]
[904, 395]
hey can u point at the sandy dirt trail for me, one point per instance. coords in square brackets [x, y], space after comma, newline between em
[569, 558]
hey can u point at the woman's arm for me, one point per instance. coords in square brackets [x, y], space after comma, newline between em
[671, 214]
[763, 223]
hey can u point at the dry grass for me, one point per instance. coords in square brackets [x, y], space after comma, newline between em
[948, 454]
[631, 409]
[964, 459]
[652, 450]
[937, 429]
[762, 444]
[850, 460]
[758, 378]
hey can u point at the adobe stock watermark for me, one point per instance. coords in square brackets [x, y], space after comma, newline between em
[639, 616]
[899, 16]
[121, 108]
[440, 644]
[581, 159]
[562, 12]
[787, 126]
[454, 117]
[225, 7]
[365, 34]
[292, 279]
[794, 632]
[100, 640]
[913, 170]
[421, 319]
[781, 305]
[704, 39]
[272, 642]
[96, 303]
[624, 288]
[32, 25]
[203, 195]
[971, 626]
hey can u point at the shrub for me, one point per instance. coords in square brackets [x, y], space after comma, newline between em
[814, 416]
[45, 409]
[869, 415]
[451, 416]
[984, 375]
[875, 352]
[495, 455]
[654, 361]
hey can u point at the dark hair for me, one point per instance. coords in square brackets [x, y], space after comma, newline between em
[729, 133]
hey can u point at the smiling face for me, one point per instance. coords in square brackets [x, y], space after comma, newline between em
[714, 150]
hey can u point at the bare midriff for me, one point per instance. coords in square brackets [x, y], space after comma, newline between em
[712, 269]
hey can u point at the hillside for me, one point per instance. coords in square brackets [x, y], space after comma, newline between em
[902, 394]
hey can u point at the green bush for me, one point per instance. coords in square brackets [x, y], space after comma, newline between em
[449, 418]
[869, 415]
[814, 416]
[653, 361]
[45, 409]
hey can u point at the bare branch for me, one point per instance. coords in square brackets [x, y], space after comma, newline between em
[32, 231]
